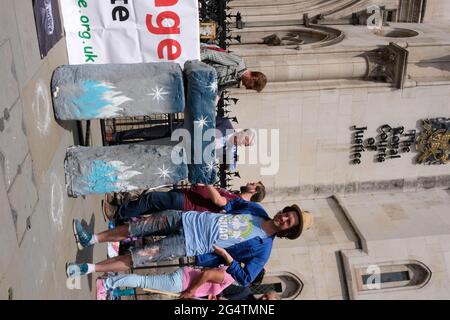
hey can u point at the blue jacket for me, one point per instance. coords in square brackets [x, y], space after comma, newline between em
[253, 253]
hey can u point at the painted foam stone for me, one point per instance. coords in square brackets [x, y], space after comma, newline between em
[122, 168]
[101, 91]
[200, 120]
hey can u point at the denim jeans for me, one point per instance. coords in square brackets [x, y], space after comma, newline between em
[167, 223]
[171, 282]
[152, 202]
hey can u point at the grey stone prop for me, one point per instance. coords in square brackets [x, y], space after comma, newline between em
[102, 91]
[122, 168]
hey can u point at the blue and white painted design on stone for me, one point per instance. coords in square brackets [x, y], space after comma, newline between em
[164, 172]
[102, 91]
[213, 86]
[109, 176]
[202, 121]
[99, 100]
[158, 94]
[121, 168]
[199, 116]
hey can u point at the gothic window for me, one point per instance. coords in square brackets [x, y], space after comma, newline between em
[287, 284]
[398, 276]
[267, 287]
[410, 275]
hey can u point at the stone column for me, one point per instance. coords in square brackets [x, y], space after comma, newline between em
[122, 168]
[101, 91]
[388, 64]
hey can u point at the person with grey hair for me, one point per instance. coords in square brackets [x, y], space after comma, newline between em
[244, 137]
[226, 146]
[227, 140]
[223, 125]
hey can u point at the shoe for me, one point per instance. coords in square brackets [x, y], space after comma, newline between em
[82, 237]
[75, 269]
[109, 210]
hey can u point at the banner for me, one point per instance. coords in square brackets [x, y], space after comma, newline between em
[48, 24]
[131, 31]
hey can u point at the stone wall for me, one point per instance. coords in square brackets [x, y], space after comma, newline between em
[314, 144]
[401, 227]
[437, 10]
[254, 11]
[368, 230]
[314, 116]
[372, 213]
[314, 257]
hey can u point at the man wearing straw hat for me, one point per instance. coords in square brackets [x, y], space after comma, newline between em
[242, 235]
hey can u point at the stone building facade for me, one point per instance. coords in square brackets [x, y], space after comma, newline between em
[386, 219]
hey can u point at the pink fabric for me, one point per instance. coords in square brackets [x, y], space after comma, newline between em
[101, 292]
[189, 274]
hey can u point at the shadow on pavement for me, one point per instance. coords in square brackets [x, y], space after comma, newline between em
[87, 254]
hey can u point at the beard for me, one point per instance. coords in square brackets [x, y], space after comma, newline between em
[243, 189]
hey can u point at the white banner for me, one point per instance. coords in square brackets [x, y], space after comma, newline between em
[131, 31]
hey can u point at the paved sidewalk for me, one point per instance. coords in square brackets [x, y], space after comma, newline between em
[36, 236]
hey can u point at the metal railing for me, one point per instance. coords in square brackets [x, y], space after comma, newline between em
[209, 10]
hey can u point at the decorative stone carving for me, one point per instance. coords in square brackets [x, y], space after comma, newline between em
[290, 38]
[293, 37]
[388, 64]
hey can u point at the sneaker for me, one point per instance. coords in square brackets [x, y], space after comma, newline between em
[109, 210]
[101, 293]
[82, 237]
[76, 269]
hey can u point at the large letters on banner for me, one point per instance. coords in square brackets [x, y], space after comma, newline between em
[131, 31]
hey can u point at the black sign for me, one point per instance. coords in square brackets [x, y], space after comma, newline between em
[48, 24]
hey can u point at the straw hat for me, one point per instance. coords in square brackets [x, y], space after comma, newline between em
[305, 219]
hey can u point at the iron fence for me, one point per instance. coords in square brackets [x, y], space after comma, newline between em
[211, 11]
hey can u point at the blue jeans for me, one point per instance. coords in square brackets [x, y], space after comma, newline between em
[152, 202]
[171, 282]
[173, 245]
